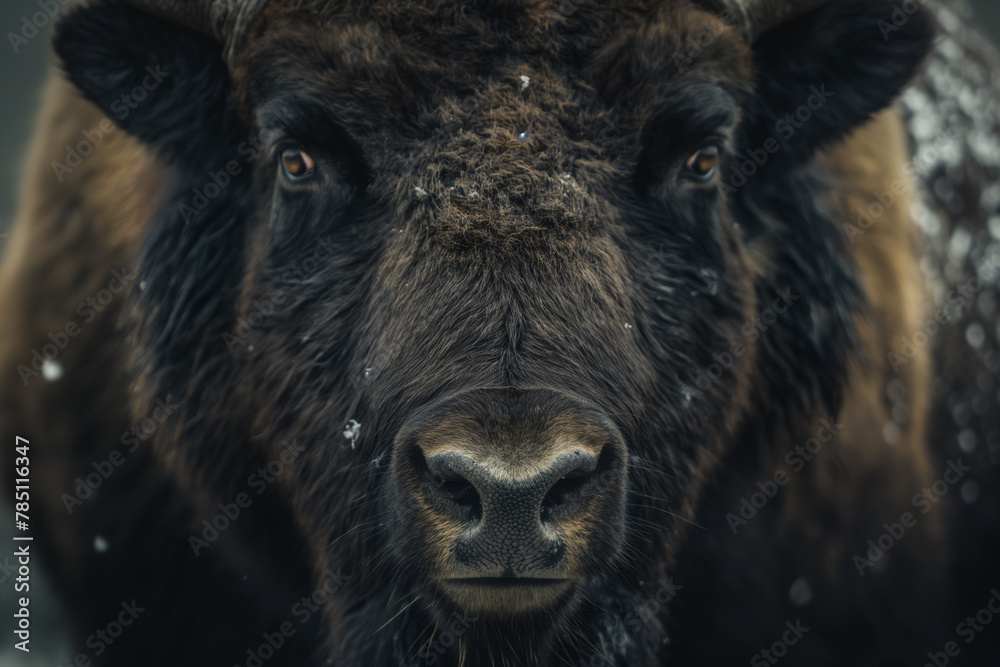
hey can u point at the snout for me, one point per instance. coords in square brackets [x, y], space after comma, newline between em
[514, 495]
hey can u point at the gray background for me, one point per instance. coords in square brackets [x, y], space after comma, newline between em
[22, 75]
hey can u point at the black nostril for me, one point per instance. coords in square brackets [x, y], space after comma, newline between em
[459, 490]
[566, 487]
[582, 475]
[452, 484]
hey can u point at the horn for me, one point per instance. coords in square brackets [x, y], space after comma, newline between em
[754, 17]
[225, 20]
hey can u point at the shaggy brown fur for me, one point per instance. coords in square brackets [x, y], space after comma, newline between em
[465, 232]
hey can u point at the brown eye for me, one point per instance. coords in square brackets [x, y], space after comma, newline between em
[297, 164]
[703, 163]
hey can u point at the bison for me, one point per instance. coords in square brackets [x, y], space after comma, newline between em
[524, 332]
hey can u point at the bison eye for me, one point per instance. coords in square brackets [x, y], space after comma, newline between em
[703, 163]
[296, 164]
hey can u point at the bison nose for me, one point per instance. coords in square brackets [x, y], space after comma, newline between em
[509, 488]
[487, 493]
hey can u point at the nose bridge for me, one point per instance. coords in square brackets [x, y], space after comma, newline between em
[550, 461]
[515, 436]
[513, 489]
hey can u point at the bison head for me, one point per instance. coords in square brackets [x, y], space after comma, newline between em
[514, 276]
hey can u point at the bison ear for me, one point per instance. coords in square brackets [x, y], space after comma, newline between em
[164, 84]
[828, 71]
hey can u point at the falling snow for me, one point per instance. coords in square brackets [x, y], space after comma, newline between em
[953, 115]
[352, 431]
[687, 395]
[970, 492]
[800, 594]
[52, 370]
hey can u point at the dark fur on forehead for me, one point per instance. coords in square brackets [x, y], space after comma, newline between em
[559, 272]
[627, 49]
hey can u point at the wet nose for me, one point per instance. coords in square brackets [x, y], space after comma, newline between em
[512, 481]
[508, 504]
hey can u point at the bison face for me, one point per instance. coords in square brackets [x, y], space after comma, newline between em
[501, 272]
[520, 291]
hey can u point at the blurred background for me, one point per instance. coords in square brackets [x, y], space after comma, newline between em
[22, 74]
